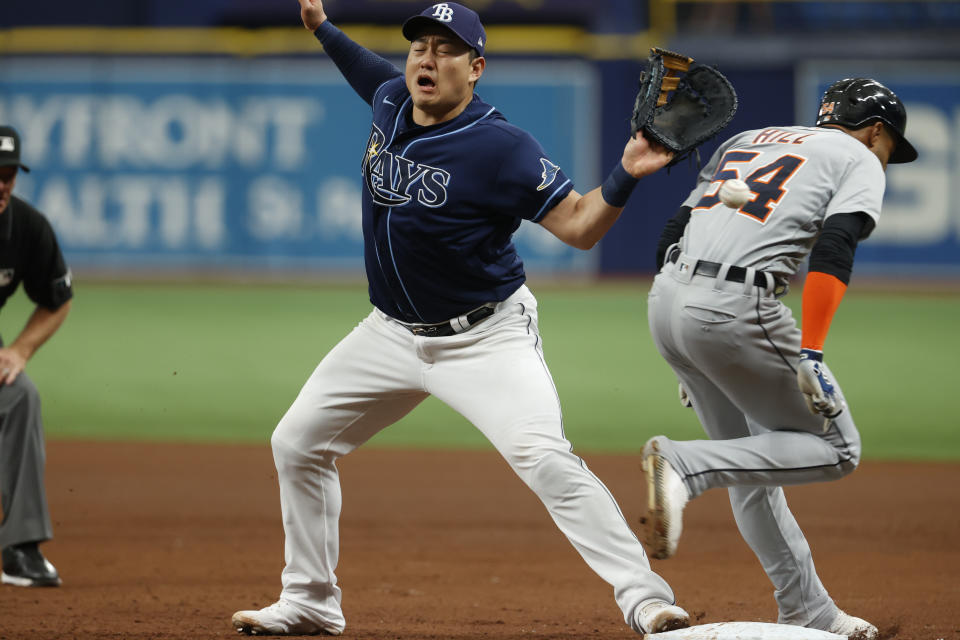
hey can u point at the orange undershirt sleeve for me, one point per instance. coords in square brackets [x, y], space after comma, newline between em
[822, 293]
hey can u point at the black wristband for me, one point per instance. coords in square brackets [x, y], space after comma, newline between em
[618, 186]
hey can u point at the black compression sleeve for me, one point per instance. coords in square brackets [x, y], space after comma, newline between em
[834, 249]
[672, 232]
[363, 69]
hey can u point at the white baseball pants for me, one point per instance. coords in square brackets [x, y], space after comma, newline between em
[496, 377]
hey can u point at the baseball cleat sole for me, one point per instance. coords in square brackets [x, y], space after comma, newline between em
[18, 581]
[666, 498]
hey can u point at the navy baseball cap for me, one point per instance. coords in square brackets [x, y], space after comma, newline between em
[462, 20]
[10, 148]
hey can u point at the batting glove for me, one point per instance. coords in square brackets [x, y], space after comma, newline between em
[817, 387]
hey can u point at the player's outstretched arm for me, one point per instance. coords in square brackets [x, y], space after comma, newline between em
[362, 68]
[312, 14]
[581, 220]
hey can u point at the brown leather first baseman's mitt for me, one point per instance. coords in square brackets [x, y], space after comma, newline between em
[680, 104]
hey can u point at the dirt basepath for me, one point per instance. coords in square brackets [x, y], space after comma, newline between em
[166, 541]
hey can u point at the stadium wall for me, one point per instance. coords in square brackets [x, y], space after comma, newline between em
[226, 148]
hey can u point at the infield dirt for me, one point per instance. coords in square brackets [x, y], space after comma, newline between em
[167, 541]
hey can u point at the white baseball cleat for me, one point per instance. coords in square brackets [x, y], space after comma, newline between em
[657, 616]
[666, 497]
[852, 627]
[279, 619]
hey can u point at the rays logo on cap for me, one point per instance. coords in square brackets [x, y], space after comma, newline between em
[461, 20]
[443, 12]
[7, 144]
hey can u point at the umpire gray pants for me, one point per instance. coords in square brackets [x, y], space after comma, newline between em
[734, 347]
[22, 461]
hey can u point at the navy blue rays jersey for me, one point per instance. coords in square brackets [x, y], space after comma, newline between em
[440, 204]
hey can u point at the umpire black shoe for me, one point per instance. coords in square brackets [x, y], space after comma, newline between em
[25, 566]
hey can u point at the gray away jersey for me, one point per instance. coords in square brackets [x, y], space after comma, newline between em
[799, 176]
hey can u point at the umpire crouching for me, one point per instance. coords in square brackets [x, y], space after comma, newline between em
[29, 253]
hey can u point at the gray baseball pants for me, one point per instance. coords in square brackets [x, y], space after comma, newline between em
[22, 462]
[734, 347]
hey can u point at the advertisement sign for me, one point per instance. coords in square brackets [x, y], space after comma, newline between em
[200, 162]
[919, 228]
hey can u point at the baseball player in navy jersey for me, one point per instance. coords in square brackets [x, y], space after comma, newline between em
[759, 385]
[446, 181]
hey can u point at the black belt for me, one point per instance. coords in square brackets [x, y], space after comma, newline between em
[454, 325]
[734, 274]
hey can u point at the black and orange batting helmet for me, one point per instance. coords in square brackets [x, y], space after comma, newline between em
[857, 102]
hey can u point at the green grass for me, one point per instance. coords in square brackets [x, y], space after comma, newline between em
[221, 362]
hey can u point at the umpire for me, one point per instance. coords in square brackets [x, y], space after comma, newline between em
[29, 253]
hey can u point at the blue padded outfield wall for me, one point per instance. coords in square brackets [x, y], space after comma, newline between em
[919, 230]
[149, 161]
[155, 163]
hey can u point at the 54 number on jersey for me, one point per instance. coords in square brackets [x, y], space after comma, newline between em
[768, 183]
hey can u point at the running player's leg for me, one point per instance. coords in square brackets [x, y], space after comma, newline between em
[705, 335]
[367, 382]
[502, 385]
[768, 526]
[746, 353]
[737, 455]
[761, 511]
[753, 461]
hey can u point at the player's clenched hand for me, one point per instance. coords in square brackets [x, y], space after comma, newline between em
[817, 387]
[11, 364]
[642, 157]
[311, 11]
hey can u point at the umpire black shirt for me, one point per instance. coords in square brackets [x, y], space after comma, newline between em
[29, 253]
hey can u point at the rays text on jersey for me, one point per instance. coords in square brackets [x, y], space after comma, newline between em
[394, 180]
